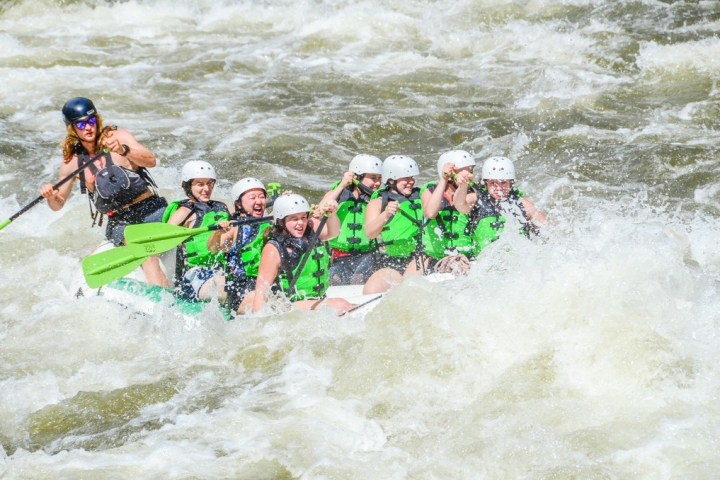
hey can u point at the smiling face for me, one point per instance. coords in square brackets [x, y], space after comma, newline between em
[201, 189]
[371, 180]
[296, 224]
[253, 202]
[404, 186]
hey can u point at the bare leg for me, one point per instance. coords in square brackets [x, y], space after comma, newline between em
[154, 274]
[246, 304]
[382, 281]
[215, 287]
[417, 267]
[339, 304]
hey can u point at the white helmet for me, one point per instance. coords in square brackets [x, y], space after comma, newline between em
[245, 184]
[197, 169]
[364, 163]
[460, 158]
[399, 166]
[498, 168]
[289, 204]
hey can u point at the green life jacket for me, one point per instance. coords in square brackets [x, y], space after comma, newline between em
[314, 280]
[447, 233]
[194, 251]
[351, 212]
[486, 219]
[400, 236]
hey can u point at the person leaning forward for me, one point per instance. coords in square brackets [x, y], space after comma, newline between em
[117, 181]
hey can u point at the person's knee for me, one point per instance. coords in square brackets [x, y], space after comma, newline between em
[246, 303]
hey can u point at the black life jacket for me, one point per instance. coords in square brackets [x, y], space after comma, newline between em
[115, 186]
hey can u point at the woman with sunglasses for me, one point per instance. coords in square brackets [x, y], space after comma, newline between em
[116, 179]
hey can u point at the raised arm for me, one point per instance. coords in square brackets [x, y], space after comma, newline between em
[375, 219]
[223, 238]
[347, 181]
[463, 201]
[122, 142]
[534, 216]
[332, 226]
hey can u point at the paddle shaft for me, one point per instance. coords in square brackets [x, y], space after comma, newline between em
[55, 187]
[360, 305]
[181, 233]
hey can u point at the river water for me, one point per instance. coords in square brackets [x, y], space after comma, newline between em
[591, 354]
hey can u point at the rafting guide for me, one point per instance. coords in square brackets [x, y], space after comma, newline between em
[112, 168]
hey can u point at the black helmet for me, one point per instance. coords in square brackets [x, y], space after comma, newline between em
[76, 109]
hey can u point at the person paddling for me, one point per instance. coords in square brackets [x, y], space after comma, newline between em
[199, 272]
[394, 217]
[447, 239]
[352, 251]
[117, 182]
[496, 201]
[242, 244]
[293, 261]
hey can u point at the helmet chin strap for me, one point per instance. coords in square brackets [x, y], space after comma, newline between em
[362, 187]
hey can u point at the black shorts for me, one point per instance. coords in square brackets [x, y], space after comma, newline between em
[352, 269]
[236, 290]
[149, 210]
[398, 264]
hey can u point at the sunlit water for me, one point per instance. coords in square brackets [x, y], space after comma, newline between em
[591, 354]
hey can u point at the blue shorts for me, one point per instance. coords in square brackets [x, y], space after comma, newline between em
[193, 280]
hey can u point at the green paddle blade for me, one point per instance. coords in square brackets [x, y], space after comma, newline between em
[163, 235]
[5, 223]
[104, 267]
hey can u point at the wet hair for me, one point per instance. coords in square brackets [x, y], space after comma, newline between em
[71, 140]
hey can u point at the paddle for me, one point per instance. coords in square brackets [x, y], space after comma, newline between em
[144, 240]
[104, 267]
[361, 305]
[164, 236]
[27, 207]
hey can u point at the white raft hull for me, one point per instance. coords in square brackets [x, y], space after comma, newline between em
[134, 293]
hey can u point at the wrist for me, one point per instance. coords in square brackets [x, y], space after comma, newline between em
[126, 150]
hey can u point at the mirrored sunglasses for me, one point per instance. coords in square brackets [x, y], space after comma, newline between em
[82, 124]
